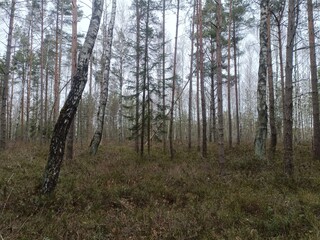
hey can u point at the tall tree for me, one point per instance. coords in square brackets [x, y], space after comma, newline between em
[314, 83]
[273, 130]
[202, 87]
[69, 109]
[95, 142]
[174, 79]
[190, 80]
[261, 131]
[144, 82]
[5, 84]
[137, 73]
[74, 48]
[288, 103]
[229, 75]
[219, 90]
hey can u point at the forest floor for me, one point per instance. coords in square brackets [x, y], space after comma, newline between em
[118, 195]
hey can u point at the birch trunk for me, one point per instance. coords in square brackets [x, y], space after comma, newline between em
[105, 85]
[68, 111]
[273, 129]
[261, 127]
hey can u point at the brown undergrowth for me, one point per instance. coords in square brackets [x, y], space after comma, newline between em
[118, 195]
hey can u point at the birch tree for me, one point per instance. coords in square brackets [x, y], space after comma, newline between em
[261, 130]
[69, 109]
[95, 142]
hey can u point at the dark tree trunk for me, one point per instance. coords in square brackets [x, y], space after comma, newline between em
[190, 83]
[219, 91]
[68, 111]
[174, 82]
[69, 154]
[202, 88]
[288, 103]
[314, 84]
[5, 84]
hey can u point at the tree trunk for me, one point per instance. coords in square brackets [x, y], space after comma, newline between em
[164, 127]
[229, 75]
[288, 103]
[69, 109]
[42, 74]
[105, 85]
[235, 63]
[219, 91]
[4, 90]
[190, 83]
[144, 84]
[314, 84]
[202, 88]
[69, 154]
[138, 17]
[261, 130]
[273, 129]
[174, 78]
[56, 68]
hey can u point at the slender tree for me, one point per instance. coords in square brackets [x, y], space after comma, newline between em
[74, 47]
[69, 108]
[261, 131]
[314, 84]
[138, 19]
[105, 85]
[174, 78]
[219, 90]
[5, 84]
[229, 75]
[273, 130]
[190, 81]
[288, 102]
[202, 87]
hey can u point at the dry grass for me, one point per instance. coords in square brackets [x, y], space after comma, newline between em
[117, 195]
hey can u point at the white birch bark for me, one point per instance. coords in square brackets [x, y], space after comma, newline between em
[95, 142]
[70, 106]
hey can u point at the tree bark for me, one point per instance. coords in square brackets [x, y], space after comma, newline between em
[95, 142]
[5, 84]
[144, 83]
[229, 75]
[273, 129]
[261, 130]
[190, 83]
[138, 17]
[219, 90]
[236, 82]
[69, 109]
[174, 78]
[202, 87]
[288, 103]
[69, 154]
[314, 84]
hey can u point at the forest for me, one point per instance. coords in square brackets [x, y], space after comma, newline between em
[155, 119]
